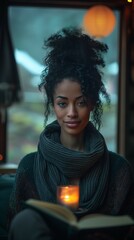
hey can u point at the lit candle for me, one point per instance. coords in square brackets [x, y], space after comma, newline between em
[68, 196]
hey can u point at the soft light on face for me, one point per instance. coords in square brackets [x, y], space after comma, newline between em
[71, 109]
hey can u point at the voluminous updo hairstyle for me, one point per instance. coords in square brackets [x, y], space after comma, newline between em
[73, 54]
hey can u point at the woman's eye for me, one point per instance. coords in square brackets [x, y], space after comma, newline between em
[82, 103]
[62, 104]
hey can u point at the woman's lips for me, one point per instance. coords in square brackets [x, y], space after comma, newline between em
[73, 124]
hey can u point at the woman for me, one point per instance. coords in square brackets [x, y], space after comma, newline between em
[71, 148]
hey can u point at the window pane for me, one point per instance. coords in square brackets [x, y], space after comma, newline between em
[29, 27]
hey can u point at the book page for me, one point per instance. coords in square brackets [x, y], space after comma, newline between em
[53, 209]
[95, 221]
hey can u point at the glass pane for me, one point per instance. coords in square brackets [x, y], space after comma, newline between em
[29, 27]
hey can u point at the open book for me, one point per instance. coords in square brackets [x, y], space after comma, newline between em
[65, 221]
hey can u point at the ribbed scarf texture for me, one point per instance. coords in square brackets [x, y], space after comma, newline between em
[57, 165]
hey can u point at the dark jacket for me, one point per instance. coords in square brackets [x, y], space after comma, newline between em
[120, 187]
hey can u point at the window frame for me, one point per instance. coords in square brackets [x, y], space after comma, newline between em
[121, 122]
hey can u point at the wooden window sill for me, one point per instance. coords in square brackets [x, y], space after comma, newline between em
[8, 168]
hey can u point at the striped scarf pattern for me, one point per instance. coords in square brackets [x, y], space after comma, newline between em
[57, 165]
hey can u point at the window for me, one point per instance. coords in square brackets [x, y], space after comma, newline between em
[29, 27]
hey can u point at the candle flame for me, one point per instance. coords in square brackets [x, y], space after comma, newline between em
[69, 196]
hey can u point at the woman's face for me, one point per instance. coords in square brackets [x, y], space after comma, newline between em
[71, 109]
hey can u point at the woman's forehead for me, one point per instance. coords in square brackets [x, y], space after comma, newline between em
[68, 84]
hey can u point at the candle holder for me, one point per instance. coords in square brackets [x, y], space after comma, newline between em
[68, 196]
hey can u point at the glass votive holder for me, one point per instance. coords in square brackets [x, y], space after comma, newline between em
[68, 196]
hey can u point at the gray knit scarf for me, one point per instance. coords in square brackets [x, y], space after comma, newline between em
[57, 165]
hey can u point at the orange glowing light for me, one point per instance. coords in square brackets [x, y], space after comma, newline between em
[68, 196]
[99, 21]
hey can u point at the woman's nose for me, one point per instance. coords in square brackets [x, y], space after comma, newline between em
[72, 111]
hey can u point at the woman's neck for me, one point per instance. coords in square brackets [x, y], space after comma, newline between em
[73, 142]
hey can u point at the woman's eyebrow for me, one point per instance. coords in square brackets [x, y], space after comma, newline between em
[61, 97]
[67, 98]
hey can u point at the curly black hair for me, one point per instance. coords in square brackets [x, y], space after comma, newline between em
[73, 54]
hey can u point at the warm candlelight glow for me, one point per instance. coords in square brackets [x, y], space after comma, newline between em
[68, 196]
